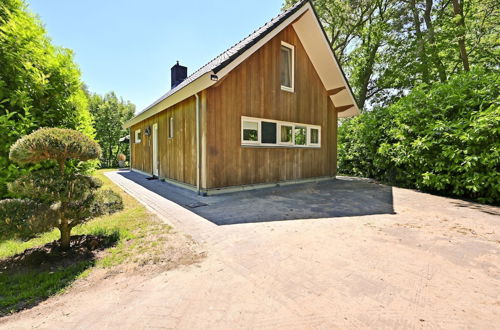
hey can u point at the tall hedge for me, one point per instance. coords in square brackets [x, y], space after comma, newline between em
[40, 85]
[443, 138]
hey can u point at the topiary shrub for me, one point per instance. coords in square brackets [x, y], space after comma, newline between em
[443, 138]
[55, 198]
[58, 144]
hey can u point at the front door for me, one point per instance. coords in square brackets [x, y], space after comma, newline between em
[155, 150]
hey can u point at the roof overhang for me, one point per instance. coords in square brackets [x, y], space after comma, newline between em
[316, 44]
[313, 38]
[189, 90]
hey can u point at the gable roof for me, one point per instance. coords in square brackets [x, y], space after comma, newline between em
[225, 62]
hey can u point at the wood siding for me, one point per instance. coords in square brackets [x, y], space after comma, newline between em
[177, 155]
[253, 89]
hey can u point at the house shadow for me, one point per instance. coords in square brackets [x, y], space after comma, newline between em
[341, 197]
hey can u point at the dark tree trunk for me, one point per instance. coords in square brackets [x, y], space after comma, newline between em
[65, 230]
[422, 54]
[367, 75]
[458, 9]
[432, 40]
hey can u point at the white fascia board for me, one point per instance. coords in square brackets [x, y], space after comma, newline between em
[318, 49]
[203, 82]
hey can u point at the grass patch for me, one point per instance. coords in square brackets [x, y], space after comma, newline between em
[24, 289]
[131, 229]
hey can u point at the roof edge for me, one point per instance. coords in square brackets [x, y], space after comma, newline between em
[241, 51]
[335, 56]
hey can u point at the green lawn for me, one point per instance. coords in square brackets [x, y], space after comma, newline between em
[132, 226]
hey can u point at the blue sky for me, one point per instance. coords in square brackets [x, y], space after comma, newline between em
[128, 46]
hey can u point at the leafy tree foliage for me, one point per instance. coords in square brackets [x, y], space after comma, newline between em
[40, 85]
[55, 198]
[109, 114]
[444, 138]
[387, 47]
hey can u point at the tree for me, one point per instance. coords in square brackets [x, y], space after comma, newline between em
[387, 47]
[458, 10]
[56, 197]
[109, 114]
[40, 85]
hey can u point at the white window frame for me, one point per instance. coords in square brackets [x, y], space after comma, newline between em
[286, 88]
[309, 135]
[171, 128]
[251, 120]
[291, 143]
[136, 133]
[278, 143]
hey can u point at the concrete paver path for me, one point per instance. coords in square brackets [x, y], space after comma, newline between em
[434, 263]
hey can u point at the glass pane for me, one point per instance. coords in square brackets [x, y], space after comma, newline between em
[286, 134]
[268, 132]
[300, 135]
[314, 135]
[286, 67]
[250, 131]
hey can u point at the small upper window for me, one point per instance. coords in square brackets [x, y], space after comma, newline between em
[300, 135]
[171, 128]
[287, 66]
[138, 136]
[250, 131]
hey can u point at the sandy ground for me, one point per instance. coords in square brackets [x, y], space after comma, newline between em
[435, 263]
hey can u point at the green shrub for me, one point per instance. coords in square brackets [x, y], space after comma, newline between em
[55, 198]
[57, 144]
[23, 218]
[444, 139]
[40, 85]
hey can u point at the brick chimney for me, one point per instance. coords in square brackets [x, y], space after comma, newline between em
[178, 74]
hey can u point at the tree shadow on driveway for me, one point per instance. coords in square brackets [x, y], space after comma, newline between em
[341, 197]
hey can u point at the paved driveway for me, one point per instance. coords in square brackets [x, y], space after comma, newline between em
[417, 261]
[342, 197]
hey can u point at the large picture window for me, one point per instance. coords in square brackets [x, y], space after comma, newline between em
[287, 58]
[268, 133]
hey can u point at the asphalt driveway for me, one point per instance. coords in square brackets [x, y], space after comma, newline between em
[342, 197]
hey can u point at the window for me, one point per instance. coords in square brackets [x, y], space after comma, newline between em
[268, 132]
[138, 136]
[300, 135]
[275, 133]
[314, 136]
[286, 134]
[287, 66]
[250, 131]
[171, 128]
